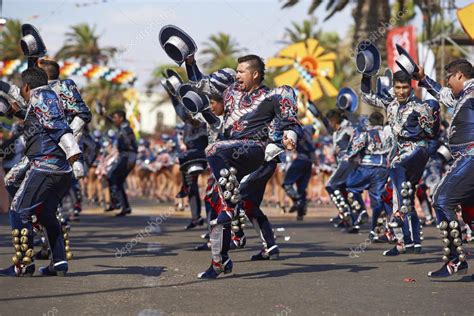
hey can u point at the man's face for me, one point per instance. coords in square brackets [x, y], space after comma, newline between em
[217, 107]
[117, 120]
[402, 91]
[334, 124]
[455, 82]
[247, 78]
[25, 92]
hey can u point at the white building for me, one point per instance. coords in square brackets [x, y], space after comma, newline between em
[153, 114]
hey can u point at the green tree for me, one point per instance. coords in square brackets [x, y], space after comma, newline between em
[220, 51]
[82, 42]
[10, 37]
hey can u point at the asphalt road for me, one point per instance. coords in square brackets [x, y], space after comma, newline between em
[145, 265]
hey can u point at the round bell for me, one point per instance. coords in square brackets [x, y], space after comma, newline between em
[24, 239]
[358, 207]
[380, 221]
[459, 249]
[404, 192]
[444, 233]
[334, 199]
[406, 202]
[15, 233]
[233, 179]
[64, 229]
[66, 242]
[67, 248]
[69, 255]
[457, 242]
[445, 258]
[229, 186]
[222, 181]
[410, 192]
[24, 232]
[404, 209]
[224, 172]
[243, 225]
[443, 225]
[337, 192]
[445, 242]
[15, 260]
[404, 185]
[422, 238]
[235, 199]
[34, 219]
[462, 257]
[66, 235]
[233, 171]
[242, 219]
[17, 247]
[29, 253]
[24, 247]
[15, 240]
[19, 254]
[454, 233]
[227, 195]
[446, 251]
[26, 260]
[235, 229]
[236, 191]
[453, 225]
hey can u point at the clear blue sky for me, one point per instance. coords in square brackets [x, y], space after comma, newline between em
[134, 25]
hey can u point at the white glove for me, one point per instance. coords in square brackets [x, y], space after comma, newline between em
[78, 169]
[69, 145]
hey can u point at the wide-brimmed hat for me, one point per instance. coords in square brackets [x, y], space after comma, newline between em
[347, 100]
[177, 44]
[193, 101]
[172, 82]
[31, 43]
[384, 83]
[367, 58]
[405, 61]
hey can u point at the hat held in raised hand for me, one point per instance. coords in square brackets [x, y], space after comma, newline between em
[405, 61]
[177, 44]
[367, 58]
[31, 43]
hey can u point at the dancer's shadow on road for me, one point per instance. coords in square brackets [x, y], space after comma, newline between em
[303, 268]
[150, 271]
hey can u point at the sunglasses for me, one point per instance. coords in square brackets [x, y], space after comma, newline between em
[449, 75]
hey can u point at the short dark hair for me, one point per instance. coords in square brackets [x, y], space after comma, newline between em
[376, 118]
[401, 76]
[34, 77]
[120, 113]
[255, 62]
[461, 65]
[51, 67]
[336, 115]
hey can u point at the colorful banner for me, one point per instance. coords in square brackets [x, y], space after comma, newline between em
[117, 76]
[404, 36]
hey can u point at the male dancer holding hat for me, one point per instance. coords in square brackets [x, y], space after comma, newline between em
[252, 113]
[412, 126]
[457, 186]
[50, 148]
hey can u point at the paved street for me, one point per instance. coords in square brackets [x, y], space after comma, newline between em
[145, 265]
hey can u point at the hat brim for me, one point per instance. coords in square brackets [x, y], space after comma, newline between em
[171, 73]
[403, 51]
[171, 30]
[367, 45]
[355, 99]
[28, 29]
[190, 106]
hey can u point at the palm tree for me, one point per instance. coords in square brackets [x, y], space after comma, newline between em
[368, 16]
[82, 43]
[10, 40]
[221, 52]
[301, 32]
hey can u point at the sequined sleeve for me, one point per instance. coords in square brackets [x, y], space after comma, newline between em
[286, 110]
[375, 100]
[442, 94]
[74, 104]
